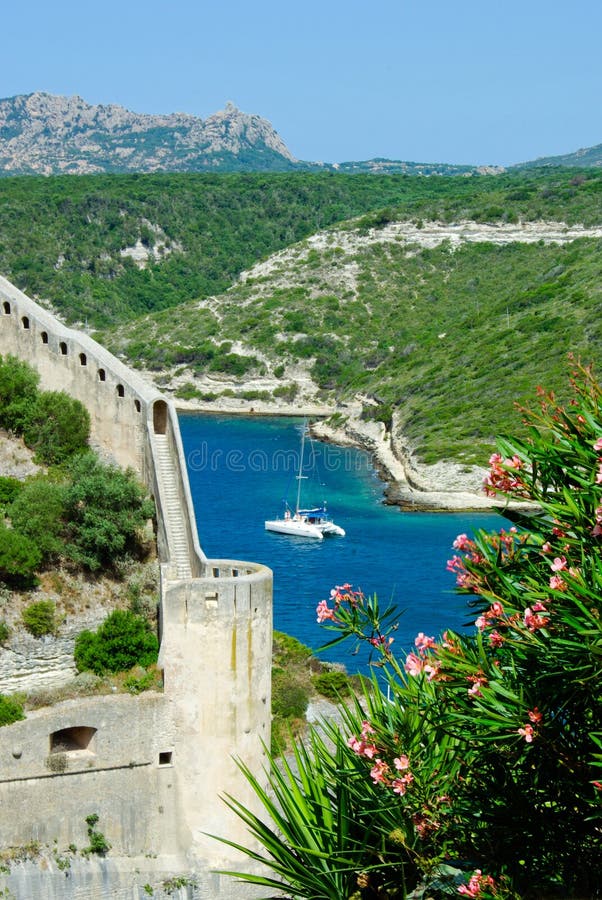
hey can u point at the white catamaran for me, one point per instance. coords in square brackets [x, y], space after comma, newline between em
[314, 523]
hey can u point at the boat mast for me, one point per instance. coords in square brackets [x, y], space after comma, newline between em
[301, 476]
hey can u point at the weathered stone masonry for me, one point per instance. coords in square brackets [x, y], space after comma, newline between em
[151, 767]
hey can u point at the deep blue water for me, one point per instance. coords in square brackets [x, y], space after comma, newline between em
[240, 471]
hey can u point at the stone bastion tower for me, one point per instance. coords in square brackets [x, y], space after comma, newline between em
[151, 767]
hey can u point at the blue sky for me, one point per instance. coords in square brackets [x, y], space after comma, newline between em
[429, 81]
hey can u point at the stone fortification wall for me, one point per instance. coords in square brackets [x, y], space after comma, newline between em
[153, 767]
[117, 399]
[109, 756]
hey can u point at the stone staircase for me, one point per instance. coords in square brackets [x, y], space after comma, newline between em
[174, 526]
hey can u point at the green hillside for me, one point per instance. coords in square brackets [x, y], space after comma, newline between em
[62, 238]
[584, 158]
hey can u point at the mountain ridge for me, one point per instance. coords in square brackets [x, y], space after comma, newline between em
[41, 133]
[47, 134]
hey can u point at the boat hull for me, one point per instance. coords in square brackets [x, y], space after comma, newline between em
[293, 528]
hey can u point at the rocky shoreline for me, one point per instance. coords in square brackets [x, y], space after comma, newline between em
[447, 486]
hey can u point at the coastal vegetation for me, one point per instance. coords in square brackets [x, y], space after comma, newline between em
[478, 771]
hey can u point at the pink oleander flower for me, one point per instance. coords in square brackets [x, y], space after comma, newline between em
[432, 670]
[477, 883]
[324, 612]
[559, 564]
[527, 732]
[477, 682]
[400, 785]
[557, 583]
[379, 773]
[414, 664]
[423, 642]
[598, 444]
[496, 639]
[455, 563]
[546, 548]
[534, 622]
[401, 763]
[535, 716]
[367, 729]
[361, 747]
[381, 642]
[463, 542]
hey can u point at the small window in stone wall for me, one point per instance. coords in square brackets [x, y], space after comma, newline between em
[44, 336]
[63, 348]
[137, 405]
[83, 360]
[102, 375]
[120, 390]
[211, 599]
[69, 740]
[6, 308]
[166, 758]
[25, 322]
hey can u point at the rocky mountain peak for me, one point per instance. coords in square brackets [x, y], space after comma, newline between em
[47, 134]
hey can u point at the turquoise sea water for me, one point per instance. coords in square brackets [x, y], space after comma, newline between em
[240, 471]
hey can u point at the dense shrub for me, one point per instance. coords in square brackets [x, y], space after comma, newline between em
[290, 695]
[56, 426]
[37, 513]
[9, 488]
[333, 685]
[106, 510]
[10, 710]
[123, 640]
[4, 632]
[39, 618]
[19, 557]
[18, 391]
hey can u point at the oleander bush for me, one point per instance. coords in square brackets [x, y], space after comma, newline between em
[472, 765]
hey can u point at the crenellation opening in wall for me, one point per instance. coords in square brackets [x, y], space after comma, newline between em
[120, 390]
[166, 758]
[160, 417]
[73, 740]
[25, 322]
[234, 573]
[102, 375]
[83, 359]
[44, 337]
[63, 348]
[6, 308]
